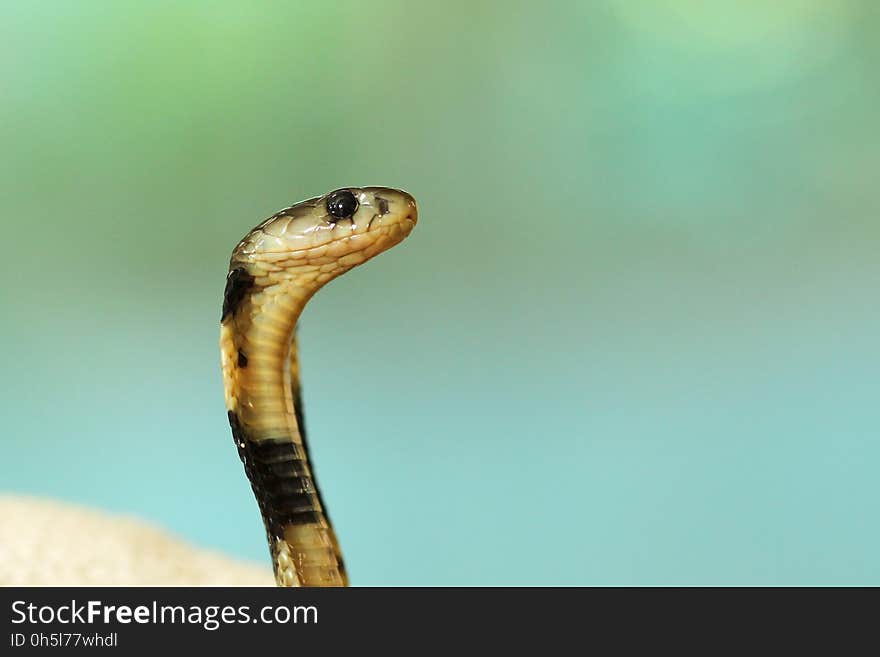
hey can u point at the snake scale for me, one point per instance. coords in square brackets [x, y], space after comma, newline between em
[273, 272]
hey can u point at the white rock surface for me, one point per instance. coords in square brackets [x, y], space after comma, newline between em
[44, 542]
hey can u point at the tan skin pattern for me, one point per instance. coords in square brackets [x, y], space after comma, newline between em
[274, 271]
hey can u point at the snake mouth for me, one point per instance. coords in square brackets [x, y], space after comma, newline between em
[373, 240]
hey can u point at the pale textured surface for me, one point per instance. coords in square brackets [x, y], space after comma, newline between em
[44, 542]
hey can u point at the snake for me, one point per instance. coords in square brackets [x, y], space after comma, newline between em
[273, 272]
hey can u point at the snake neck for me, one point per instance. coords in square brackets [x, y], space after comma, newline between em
[261, 381]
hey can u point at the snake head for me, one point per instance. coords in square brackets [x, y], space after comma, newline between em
[347, 226]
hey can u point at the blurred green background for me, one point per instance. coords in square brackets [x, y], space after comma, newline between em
[633, 340]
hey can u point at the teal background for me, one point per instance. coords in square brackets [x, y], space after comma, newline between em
[633, 340]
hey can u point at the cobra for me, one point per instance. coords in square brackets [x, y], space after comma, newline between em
[273, 272]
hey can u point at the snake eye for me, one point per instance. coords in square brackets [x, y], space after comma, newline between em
[341, 204]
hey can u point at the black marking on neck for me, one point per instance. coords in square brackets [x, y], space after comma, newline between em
[242, 359]
[280, 478]
[238, 284]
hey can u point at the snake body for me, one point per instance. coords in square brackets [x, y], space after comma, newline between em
[274, 270]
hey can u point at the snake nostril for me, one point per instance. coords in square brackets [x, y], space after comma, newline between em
[382, 205]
